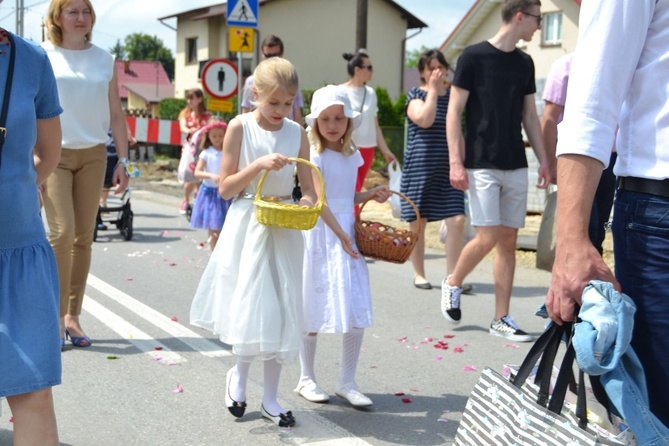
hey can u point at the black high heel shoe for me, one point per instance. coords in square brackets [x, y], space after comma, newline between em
[236, 408]
[281, 420]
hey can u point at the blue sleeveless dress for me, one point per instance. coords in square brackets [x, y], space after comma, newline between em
[29, 322]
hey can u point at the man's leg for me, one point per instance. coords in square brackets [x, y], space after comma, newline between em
[504, 267]
[483, 242]
[641, 246]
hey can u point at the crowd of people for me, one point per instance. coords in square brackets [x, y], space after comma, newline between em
[268, 292]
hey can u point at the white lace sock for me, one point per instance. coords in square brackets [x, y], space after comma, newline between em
[271, 387]
[307, 358]
[239, 378]
[352, 343]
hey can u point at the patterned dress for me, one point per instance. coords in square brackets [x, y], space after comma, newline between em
[425, 174]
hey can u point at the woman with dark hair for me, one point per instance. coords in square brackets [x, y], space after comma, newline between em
[363, 100]
[30, 360]
[425, 176]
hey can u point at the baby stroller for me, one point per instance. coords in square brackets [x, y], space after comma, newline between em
[123, 214]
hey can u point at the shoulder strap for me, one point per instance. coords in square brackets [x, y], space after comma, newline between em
[364, 96]
[8, 90]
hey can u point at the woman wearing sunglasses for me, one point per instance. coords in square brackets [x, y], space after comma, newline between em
[363, 99]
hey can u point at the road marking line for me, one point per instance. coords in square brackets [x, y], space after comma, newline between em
[328, 433]
[134, 335]
[183, 334]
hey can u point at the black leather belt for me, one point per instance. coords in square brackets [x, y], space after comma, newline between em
[645, 186]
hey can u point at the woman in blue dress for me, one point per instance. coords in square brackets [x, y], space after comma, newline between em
[425, 175]
[30, 361]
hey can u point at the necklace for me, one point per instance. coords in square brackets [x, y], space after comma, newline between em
[4, 42]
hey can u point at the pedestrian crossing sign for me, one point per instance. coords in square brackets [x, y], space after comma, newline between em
[240, 40]
[242, 13]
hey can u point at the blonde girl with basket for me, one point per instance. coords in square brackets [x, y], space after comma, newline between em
[250, 293]
[337, 296]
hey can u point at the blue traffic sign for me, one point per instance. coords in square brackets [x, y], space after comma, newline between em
[242, 13]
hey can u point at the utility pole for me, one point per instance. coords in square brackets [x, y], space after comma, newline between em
[19, 17]
[361, 25]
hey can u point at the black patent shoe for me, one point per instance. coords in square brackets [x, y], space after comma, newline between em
[236, 408]
[281, 420]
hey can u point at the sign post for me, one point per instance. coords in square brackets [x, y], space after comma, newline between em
[241, 17]
[220, 78]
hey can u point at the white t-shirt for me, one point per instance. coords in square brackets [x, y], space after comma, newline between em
[212, 159]
[83, 78]
[365, 134]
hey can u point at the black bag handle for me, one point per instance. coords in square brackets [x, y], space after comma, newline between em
[546, 347]
[8, 91]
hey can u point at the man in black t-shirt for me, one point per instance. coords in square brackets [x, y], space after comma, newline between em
[494, 86]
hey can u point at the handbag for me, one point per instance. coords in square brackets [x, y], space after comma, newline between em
[510, 412]
[8, 91]
[394, 183]
[547, 235]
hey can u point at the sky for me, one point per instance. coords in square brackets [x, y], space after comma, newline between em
[118, 18]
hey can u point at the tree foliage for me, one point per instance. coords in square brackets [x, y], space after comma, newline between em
[140, 46]
[412, 57]
[117, 50]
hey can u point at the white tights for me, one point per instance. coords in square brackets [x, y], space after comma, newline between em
[351, 346]
[272, 373]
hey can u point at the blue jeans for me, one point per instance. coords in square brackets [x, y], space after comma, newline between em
[641, 241]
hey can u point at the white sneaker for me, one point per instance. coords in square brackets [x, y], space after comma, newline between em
[353, 396]
[450, 302]
[507, 328]
[311, 391]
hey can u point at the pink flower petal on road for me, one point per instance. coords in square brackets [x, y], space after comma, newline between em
[458, 350]
[129, 279]
[399, 393]
[438, 358]
[512, 345]
[157, 348]
[404, 339]
[469, 368]
[449, 336]
[175, 319]
[406, 400]
[415, 390]
[443, 420]
[165, 233]
[178, 389]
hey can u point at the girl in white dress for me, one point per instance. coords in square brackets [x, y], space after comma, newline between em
[250, 294]
[337, 297]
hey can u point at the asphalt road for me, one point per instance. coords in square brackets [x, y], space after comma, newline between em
[152, 379]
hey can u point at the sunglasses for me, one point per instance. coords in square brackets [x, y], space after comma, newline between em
[538, 17]
[367, 67]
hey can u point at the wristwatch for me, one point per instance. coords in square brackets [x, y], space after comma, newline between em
[123, 161]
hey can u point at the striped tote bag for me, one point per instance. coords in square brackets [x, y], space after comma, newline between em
[513, 412]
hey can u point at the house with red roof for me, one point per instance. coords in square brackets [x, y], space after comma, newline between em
[142, 84]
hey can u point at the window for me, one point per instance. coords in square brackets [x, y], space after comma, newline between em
[191, 50]
[552, 29]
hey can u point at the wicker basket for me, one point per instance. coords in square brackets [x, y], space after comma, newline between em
[383, 242]
[288, 215]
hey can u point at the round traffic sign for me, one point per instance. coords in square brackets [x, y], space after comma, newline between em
[219, 78]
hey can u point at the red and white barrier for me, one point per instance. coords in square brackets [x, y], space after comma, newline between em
[159, 131]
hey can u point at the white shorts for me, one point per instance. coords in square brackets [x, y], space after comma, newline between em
[498, 197]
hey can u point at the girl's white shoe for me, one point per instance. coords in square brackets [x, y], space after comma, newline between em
[353, 396]
[311, 391]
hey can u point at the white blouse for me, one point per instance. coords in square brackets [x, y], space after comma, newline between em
[83, 78]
